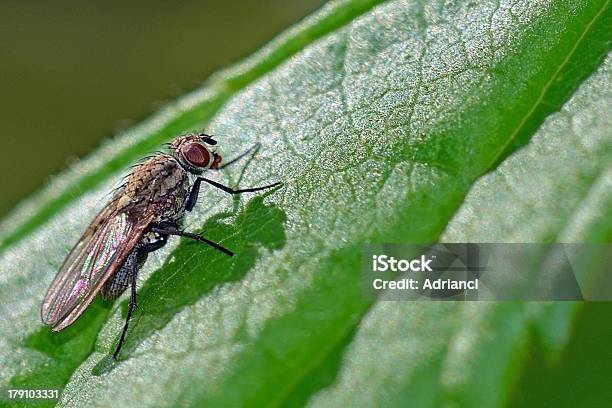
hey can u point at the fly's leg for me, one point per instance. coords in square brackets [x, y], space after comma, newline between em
[195, 190]
[167, 228]
[193, 195]
[141, 256]
[232, 191]
[235, 159]
[132, 305]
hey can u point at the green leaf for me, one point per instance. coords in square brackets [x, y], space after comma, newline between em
[470, 351]
[392, 122]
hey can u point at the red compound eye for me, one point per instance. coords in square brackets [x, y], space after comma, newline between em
[196, 154]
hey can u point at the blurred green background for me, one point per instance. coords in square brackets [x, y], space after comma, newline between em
[76, 72]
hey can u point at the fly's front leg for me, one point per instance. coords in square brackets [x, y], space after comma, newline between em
[253, 148]
[232, 191]
[195, 189]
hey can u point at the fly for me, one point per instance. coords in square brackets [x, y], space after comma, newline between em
[140, 217]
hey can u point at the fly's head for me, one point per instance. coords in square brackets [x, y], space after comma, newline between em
[193, 152]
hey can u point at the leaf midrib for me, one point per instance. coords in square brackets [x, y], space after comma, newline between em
[538, 102]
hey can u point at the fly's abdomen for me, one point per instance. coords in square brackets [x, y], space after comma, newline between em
[118, 283]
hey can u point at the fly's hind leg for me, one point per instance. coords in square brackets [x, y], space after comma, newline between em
[131, 306]
[130, 269]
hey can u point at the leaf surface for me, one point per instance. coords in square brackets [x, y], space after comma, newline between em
[391, 122]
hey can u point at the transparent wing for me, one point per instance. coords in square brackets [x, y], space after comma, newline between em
[97, 255]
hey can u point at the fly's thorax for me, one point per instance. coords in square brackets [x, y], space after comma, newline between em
[160, 184]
